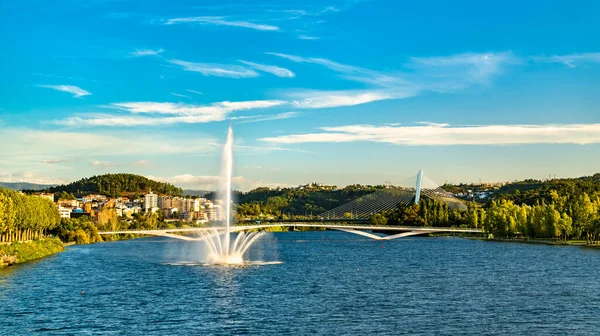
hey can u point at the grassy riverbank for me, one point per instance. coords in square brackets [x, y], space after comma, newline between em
[20, 252]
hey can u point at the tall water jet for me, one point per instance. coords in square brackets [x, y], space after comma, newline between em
[227, 164]
[221, 250]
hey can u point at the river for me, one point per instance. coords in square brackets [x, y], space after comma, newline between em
[327, 283]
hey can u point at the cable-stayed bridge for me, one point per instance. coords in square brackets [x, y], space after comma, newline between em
[346, 217]
[415, 187]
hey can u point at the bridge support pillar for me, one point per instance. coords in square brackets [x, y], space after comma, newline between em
[418, 187]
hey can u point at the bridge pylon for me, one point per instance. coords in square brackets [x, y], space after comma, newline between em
[418, 186]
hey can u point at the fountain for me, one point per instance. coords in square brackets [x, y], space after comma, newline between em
[221, 249]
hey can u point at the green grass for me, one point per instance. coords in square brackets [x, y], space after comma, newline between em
[35, 249]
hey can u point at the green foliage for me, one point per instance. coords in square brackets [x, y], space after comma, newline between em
[576, 216]
[378, 219]
[429, 212]
[305, 202]
[114, 185]
[35, 249]
[21, 215]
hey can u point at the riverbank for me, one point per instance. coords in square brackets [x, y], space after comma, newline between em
[20, 252]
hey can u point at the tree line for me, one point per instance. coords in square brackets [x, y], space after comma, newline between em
[307, 201]
[24, 217]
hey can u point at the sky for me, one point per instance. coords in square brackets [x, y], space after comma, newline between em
[330, 91]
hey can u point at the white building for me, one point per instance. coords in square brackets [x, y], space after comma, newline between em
[64, 212]
[150, 201]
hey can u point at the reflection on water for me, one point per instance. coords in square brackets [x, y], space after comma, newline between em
[312, 283]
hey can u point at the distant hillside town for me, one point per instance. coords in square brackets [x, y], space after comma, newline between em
[171, 208]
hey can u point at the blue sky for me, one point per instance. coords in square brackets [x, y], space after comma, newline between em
[336, 91]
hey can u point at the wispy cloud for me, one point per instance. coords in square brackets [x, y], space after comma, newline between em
[212, 182]
[272, 69]
[308, 37]
[571, 60]
[446, 135]
[221, 21]
[302, 12]
[146, 52]
[181, 113]
[141, 163]
[180, 95]
[77, 92]
[31, 177]
[194, 91]
[56, 161]
[445, 73]
[101, 164]
[311, 99]
[279, 116]
[218, 70]
[39, 144]
[439, 74]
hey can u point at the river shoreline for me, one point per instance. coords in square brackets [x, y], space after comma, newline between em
[22, 252]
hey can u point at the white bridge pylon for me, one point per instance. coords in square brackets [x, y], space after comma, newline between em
[398, 231]
[412, 189]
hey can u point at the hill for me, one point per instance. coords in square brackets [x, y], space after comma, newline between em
[198, 193]
[532, 191]
[117, 185]
[25, 186]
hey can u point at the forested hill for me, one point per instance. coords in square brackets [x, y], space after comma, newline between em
[312, 199]
[531, 192]
[116, 185]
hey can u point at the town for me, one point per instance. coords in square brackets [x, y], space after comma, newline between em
[171, 208]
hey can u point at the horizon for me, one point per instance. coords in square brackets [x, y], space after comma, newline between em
[343, 92]
[473, 183]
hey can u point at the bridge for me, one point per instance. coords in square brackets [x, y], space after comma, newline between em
[410, 191]
[359, 210]
[363, 230]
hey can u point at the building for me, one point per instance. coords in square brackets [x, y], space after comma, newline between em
[190, 205]
[49, 196]
[64, 212]
[165, 202]
[68, 203]
[150, 201]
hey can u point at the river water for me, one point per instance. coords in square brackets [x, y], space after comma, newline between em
[327, 283]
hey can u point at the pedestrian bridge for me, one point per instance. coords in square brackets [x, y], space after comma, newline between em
[363, 230]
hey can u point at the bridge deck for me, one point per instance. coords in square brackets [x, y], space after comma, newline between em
[341, 227]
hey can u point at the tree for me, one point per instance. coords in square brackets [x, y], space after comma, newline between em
[378, 219]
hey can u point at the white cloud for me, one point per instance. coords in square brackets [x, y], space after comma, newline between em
[208, 182]
[56, 161]
[460, 70]
[221, 21]
[326, 99]
[218, 70]
[146, 52]
[28, 144]
[438, 74]
[445, 135]
[272, 69]
[279, 116]
[194, 91]
[101, 164]
[141, 163]
[180, 95]
[31, 177]
[571, 60]
[183, 113]
[77, 92]
[308, 37]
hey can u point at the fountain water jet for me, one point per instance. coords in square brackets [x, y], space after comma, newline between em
[221, 250]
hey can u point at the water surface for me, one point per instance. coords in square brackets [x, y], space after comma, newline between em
[328, 283]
